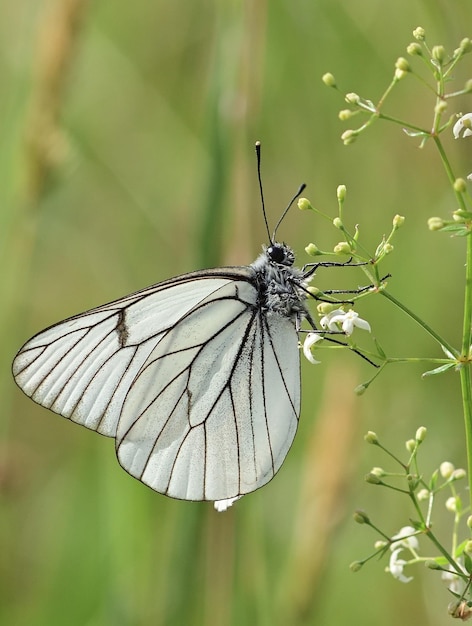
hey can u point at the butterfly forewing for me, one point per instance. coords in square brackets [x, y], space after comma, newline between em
[196, 377]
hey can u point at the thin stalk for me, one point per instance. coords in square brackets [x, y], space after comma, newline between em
[419, 321]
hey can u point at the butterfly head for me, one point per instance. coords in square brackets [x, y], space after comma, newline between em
[280, 254]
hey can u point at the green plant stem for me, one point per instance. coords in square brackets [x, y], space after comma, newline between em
[419, 321]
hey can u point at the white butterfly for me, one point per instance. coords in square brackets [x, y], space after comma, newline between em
[197, 378]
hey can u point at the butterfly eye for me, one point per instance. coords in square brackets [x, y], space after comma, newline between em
[280, 254]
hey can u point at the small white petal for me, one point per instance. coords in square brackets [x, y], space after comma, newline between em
[331, 320]
[396, 566]
[223, 505]
[406, 538]
[463, 130]
[310, 341]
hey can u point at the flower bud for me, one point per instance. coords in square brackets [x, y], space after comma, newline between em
[421, 434]
[439, 54]
[441, 107]
[431, 564]
[419, 33]
[452, 504]
[361, 389]
[379, 544]
[341, 193]
[466, 45]
[304, 204]
[458, 474]
[352, 98]
[436, 223]
[410, 445]
[360, 517]
[372, 479]
[312, 250]
[378, 471]
[469, 521]
[399, 74]
[345, 114]
[329, 80]
[371, 437]
[355, 566]
[348, 137]
[414, 49]
[460, 185]
[446, 469]
[423, 494]
[387, 248]
[342, 248]
[468, 548]
[337, 223]
[398, 221]
[402, 64]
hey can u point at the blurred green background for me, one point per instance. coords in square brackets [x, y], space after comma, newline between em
[126, 157]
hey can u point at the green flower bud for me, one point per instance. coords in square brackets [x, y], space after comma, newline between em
[421, 434]
[387, 248]
[337, 223]
[398, 221]
[458, 474]
[460, 185]
[402, 64]
[410, 445]
[453, 504]
[468, 548]
[342, 248]
[352, 98]
[324, 308]
[312, 250]
[360, 517]
[423, 494]
[446, 469]
[355, 566]
[348, 137]
[439, 54]
[345, 114]
[441, 107]
[361, 389]
[371, 437]
[329, 80]
[399, 74]
[431, 564]
[341, 193]
[414, 49]
[378, 471]
[466, 45]
[436, 223]
[372, 479]
[379, 544]
[304, 204]
[419, 33]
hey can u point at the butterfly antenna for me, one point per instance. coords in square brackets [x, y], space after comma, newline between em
[258, 156]
[299, 192]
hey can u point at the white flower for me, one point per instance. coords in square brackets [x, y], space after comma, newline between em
[310, 341]
[223, 505]
[346, 320]
[405, 538]
[463, 126]
[396, 565]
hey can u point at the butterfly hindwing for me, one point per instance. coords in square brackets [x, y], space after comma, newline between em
[213, 411]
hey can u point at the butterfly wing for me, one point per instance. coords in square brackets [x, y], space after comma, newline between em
[200, 387]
